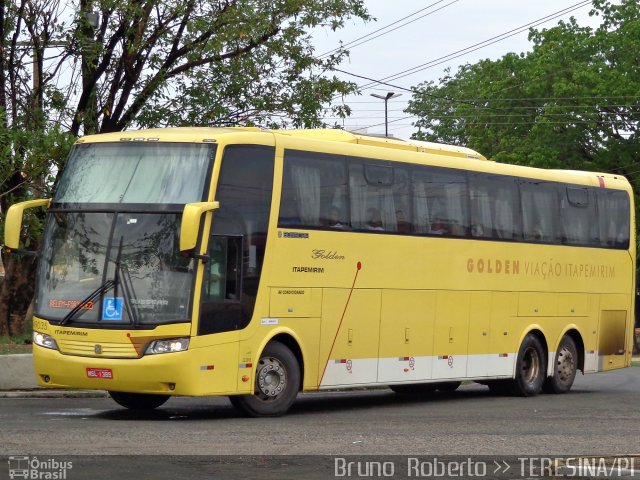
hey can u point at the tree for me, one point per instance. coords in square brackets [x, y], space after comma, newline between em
[572, 102]
[113, 65]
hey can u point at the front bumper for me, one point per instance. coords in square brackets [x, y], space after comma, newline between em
[195, 372]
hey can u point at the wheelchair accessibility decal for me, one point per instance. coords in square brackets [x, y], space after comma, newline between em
[112, 308]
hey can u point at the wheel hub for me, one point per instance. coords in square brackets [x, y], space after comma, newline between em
[530, 365]
[566, 365]
[272, 377]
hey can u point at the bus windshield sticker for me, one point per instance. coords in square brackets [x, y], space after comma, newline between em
[112, 308]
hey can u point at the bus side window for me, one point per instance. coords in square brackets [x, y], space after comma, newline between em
[440, 199]
[402, 201]
[578, 216]
[540, 211]
[480, 200]
[613, 218]
[314, 191]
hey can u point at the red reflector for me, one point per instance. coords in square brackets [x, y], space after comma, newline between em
[601, 182]
[100, 373]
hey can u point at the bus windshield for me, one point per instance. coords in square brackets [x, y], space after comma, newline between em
[153, 282]
[151, 173]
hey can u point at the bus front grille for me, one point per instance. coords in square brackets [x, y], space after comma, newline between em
[98, 349]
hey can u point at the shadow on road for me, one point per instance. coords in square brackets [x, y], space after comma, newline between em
[213, 408]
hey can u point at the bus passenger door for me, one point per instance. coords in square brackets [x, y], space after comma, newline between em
[220, 307]
[349, 335]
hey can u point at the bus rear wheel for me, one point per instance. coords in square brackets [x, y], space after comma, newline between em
[564, 367]
[138, 401]
[277, 384]
[530, 368]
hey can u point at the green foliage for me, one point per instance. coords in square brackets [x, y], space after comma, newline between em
[243, 62]
[148, 64]
[573, 102]
[152, 64]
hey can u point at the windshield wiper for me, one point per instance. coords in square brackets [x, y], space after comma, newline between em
[118, 278]
[106, 286]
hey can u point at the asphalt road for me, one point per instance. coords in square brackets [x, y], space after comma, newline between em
[600, 416]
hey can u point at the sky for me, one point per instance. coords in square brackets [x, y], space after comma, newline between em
[445, 27]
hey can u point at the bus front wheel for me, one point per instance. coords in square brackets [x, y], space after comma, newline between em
[276, 386]
[564, 367]
[530, 368]
[138, 401]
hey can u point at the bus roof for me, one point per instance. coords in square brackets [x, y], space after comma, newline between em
[337, 135]
[199, 134]
[212, 134]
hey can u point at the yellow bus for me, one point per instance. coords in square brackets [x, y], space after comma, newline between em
[258, 264]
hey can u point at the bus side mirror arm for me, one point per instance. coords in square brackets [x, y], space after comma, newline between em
[13, 220]
[190, 224]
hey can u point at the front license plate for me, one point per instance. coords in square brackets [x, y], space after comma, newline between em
[100, 373]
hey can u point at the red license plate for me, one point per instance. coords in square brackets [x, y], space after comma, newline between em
[100, 373]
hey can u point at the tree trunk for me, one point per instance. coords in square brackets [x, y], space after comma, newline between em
[16, 292]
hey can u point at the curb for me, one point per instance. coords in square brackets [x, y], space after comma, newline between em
[53, 393]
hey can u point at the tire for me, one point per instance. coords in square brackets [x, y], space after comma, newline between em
[276, 386]
[414, 389]
[565, 367]
[530, 368]
[138, 401]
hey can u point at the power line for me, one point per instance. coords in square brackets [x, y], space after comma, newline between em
[552, 98]
[479, 45]
[569, 122]
[435, 114]
[360, 40]
[474, 101]
[411, 90]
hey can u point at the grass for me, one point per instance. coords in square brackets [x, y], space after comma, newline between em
[17, 344]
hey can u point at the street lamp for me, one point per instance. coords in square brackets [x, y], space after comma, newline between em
[386, 98]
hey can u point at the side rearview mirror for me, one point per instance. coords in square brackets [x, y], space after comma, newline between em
[13, 221]
[190, 225]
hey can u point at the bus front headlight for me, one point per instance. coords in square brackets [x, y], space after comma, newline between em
[44, 340]
[168, 346]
